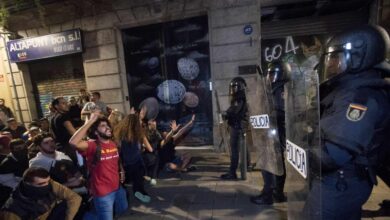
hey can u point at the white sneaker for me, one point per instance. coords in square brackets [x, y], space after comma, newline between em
[153, 182]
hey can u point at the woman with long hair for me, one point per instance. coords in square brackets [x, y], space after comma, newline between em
[130, 137]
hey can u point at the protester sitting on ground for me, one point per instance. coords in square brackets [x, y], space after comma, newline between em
[168, 157]
[31, 133]
[6, 133]
[57, 163]
[4, 146]
[14, 128]
[156, 141]
[4, 151]
[129, 136]
[12, 168]
[105, 171]
[44, 124]
[37, 195]
[33, 124]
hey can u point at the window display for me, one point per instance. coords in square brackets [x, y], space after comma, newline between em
[169, 64]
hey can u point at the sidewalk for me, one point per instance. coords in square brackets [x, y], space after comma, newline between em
[202, 195]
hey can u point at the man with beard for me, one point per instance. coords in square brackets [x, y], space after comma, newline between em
[37, 195]
[12, 167]
[105, 171]
[61, 125]
[50, 159]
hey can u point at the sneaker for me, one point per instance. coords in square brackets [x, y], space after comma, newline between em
[262, 199]
[279, 197]
[229, 176]
[141, 197]
[153, 182]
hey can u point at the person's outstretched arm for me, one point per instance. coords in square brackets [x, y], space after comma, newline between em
[167, 138]
[184, 129]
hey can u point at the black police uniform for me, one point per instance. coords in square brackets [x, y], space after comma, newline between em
[354, 115]
[278, 181]
[237, 119]
[273, 184]
[354, 119]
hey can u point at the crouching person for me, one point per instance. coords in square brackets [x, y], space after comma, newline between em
[36, 195]
[105, 171]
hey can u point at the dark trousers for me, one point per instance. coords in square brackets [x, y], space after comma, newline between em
[236, 142]
[272, 182]
[135, 173]
[151, 161]
[327, 202]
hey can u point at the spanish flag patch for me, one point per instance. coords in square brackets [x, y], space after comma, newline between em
[356, 112]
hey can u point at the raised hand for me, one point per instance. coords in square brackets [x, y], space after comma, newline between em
[132, 111]
[174, 126]
[95, 114]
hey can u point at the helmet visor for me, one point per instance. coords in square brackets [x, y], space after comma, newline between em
[273, 76]
[233, 88]
[334, 63]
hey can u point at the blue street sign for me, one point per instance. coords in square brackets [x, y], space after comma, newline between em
[248, 29]
[63, 43]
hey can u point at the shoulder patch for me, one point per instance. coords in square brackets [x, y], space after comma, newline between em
[356, 112]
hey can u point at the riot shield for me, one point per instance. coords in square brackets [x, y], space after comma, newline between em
[302, 135]
[263, 127]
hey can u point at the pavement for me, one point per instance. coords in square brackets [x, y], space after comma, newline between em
[202, 195]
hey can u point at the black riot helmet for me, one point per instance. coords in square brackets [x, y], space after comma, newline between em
[277, 72]
[237, 87]
[354, 51]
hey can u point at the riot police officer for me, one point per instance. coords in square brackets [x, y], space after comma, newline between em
[237, 118]
[354, 120]
[273, 184]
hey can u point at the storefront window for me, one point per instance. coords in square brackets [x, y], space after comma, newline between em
[169, 62]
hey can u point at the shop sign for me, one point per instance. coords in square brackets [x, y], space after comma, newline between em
[53, 45]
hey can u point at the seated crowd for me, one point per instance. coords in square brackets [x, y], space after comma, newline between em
[64, 168]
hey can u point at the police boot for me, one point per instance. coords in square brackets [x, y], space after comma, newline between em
[263, 199]
[279, 196]
[229, 176]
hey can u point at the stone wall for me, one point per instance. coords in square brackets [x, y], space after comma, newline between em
[103, 57]
[14, 89]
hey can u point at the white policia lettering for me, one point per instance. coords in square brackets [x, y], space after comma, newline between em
[259, 121]
[296, 156]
